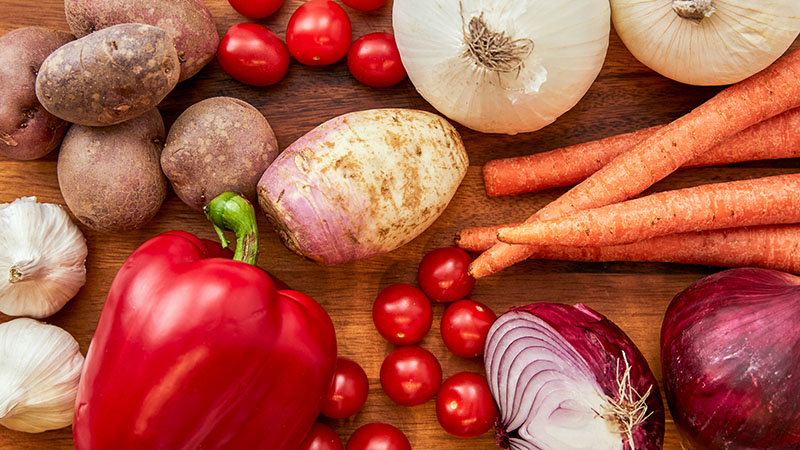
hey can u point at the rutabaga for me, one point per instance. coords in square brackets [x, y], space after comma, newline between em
[501, 66]
[363, 183]
[42, 255]
[40, 366]
[707, 42]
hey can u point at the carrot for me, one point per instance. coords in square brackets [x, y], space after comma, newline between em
[768, 93]
[772, 247]
[762, 201]
[773, 138]
[479, 239]
[562, 167]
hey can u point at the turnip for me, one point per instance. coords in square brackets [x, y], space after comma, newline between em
[363, 183]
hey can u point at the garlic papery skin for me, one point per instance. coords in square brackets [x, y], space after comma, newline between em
[502, 66]
[706, 42]
[42, 258]
[40, 366]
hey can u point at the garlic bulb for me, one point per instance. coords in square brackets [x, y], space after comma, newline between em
[42, 256]
[502, 66]
[40, 366]
[707, 42]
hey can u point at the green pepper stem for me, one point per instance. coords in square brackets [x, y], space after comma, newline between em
[230, 211]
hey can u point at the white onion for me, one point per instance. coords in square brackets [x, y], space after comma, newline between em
[707, 42]
[553, 53]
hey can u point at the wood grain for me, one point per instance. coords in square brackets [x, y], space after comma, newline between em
[626, 96]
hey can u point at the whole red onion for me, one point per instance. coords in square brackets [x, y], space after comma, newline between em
[565, 377]
[730, 352]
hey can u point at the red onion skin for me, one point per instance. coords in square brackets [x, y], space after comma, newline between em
[601, 343]
[730, 353]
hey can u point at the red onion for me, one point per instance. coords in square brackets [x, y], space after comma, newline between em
[730, 352]
[565, 377]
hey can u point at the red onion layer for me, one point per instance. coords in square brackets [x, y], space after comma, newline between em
[565, 377]
[730, 353]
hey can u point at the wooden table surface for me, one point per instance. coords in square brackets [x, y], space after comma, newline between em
[626, 96]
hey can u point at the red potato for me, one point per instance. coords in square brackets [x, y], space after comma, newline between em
[188, 23]
[218, 144]
[110, 177]
[363, 183]
[27, 130]
[110, 76]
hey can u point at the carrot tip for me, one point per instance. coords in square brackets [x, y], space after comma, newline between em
[507, 235]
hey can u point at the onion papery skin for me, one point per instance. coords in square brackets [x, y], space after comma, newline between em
[730, 355]
[576, 352]
[569, 40]
[738, 39]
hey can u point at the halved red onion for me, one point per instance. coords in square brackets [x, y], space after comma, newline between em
[565, 377]
[730, 353]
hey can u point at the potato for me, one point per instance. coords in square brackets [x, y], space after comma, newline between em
[110, 177]
[363, 183]
[27, 130]
[109, 76]
[188, 22]
[219, 144]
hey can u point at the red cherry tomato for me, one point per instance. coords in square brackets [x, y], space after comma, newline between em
[364, 5]
[374, 60]
[253, 55]
[378, 436]
[321, 437]
[443, 276]
[464, 406]
[465, 325]
[411, 375]
[402, 314]
[348, 391]
[256, 9]
[319, 33]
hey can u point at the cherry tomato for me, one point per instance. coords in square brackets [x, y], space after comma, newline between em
[464, 406]
[348, 391]
[465, 325]
[321, 437]
[411, 375]
[402, 314]
[378, 436]
[375, 61]
[256, 9]
[319, 33]
[443, 276]
[253, 55]
[364, 5]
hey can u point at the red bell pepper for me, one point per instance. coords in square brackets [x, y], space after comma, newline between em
[195, 351]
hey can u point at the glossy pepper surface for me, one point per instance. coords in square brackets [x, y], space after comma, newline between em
[196, 351]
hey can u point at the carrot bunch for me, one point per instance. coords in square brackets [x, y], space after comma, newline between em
[754, 119]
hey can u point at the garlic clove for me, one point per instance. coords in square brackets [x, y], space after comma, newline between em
[42, 258]
[40, 366]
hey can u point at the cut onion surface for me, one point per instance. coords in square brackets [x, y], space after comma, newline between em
[565, 377]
